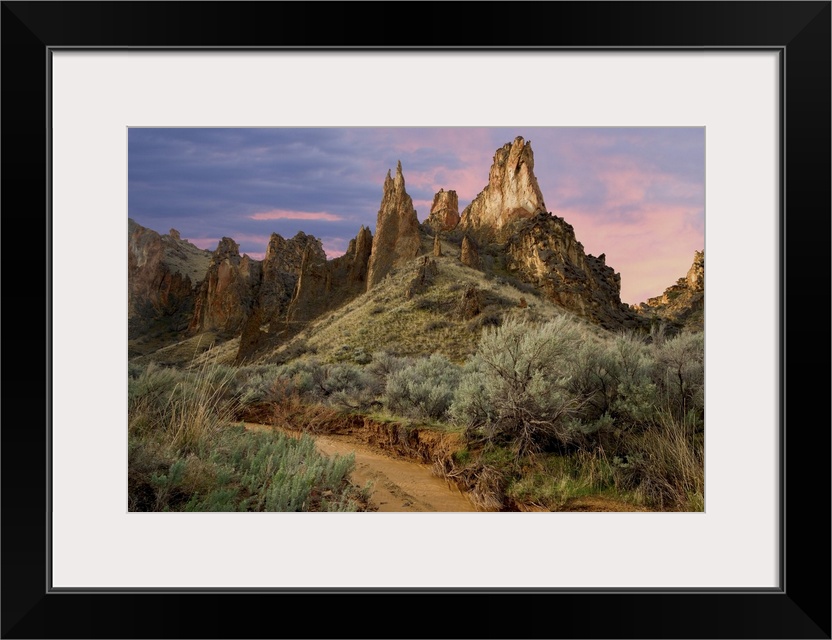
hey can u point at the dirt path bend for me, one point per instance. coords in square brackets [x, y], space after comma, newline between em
[398, 485]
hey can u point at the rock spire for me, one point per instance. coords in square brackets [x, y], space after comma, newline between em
[397, 237]
[512, 192]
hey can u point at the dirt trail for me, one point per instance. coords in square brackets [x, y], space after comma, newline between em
[398, 485]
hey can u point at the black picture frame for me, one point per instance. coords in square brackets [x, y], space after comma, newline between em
[799, 31]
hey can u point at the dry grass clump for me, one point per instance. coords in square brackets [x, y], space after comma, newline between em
[667, 468]
[185, 453]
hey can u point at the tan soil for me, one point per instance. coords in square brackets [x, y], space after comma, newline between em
[398, 485]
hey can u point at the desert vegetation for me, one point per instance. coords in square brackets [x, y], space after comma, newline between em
[491, 326]
[187, 452]
[548, 411]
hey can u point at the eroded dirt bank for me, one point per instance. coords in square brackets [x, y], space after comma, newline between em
[400, 462]
[397, 484]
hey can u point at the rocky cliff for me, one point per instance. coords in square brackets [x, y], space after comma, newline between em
[444, 212]
[273, 292]
[227, 292]
[327, 285]
[163, 274]
[683, 303]
[505, 232]
[512, 193]
[298, 285]
[543, 250]
[509, 214]
[397, 238]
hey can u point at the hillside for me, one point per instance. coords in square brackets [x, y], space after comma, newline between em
[410, 288]
[487, 344]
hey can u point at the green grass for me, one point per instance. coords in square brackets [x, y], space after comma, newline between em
[384, 319]
[185, 453]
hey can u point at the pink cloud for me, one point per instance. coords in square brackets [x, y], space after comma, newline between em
[335, 247]
[285, 214]
[651, 249]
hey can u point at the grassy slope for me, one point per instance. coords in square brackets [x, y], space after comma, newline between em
[428, 322]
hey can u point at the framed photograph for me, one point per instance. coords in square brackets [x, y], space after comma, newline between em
[753, 78]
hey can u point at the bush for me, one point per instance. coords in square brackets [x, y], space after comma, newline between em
[516, 388]
[680, 373]
[425, 389]
[185, 453]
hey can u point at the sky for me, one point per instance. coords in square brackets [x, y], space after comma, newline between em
[634, 194]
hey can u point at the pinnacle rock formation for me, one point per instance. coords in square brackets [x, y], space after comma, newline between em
[470, 256]
[164, 272]
[444, 212]
[280, 272]
[512, 193]
[543, 250]
[323, 285]
[397, 238]
[437, 247]
[696, 274]
[355, 262]
[227, 292]
[299, 284]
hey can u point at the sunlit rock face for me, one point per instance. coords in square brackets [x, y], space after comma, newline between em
[397, 237]
[543, 250]
[444, 212]
[512, 193]
[683, 303]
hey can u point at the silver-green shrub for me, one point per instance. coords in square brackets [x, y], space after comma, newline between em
[424, 389]
[517, 389]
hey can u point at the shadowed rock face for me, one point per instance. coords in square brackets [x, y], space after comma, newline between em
[470, 256]
[227, 293]
[512, 193]
[298, 285]
[397, 237]
[326, 285]
[543, 250]
[164, 272]
[444, 212]
[282, 264]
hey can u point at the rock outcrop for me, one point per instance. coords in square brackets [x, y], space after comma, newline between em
[298, 285]
[470, 255]
[696, 274]
[682, 304]
[424, 278]
[326, 285]
[470, 303]
[281, 270]
[444, 212]
[437, 247]
[543, 250]
[164, 272]
[512, 193]
[227, 293]
[397, 238]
